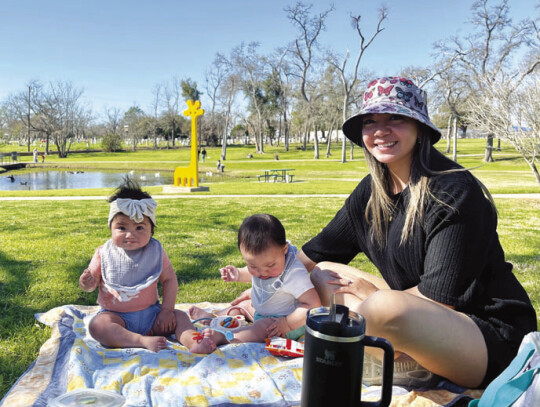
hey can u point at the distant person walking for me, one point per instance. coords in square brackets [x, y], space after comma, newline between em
[204, 155]
[35, 155]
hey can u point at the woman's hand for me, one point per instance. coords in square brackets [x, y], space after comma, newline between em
[359, 287]
[229, 273]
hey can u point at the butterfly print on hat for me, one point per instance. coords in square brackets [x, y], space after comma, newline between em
[386, 91]
[406, 82]
[401, 94]
[368, 95]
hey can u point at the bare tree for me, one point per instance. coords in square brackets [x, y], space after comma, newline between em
[113, 120]
[511, 112]
[21, 108]
[303, 48]
[60, 114]
[222, 85]
[250, 67]
[486, 55]
[155, 105]
[172, 94]
[279, 91]
[349, 82]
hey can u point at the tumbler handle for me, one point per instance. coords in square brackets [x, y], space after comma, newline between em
[387, 373]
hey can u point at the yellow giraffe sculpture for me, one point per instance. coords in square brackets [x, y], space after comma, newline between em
[189, 176]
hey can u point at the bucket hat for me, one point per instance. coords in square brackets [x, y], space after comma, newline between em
[391, 95]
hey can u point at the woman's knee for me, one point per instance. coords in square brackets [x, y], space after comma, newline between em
[385, 311]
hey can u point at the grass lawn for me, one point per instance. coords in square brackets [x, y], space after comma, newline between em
[46, 244]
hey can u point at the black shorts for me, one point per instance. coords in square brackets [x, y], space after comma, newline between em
[500, 350]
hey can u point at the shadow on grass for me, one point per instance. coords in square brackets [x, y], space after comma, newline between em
[14, 311]
[524, 259]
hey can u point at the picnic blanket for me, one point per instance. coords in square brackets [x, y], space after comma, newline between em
[233, 375]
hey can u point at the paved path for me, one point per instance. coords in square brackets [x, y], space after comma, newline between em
[184, 196]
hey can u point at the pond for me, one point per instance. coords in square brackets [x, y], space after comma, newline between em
[75, 179]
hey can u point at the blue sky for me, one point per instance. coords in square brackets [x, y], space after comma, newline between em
[117, 51]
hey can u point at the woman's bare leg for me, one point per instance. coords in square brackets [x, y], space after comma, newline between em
[442, 340]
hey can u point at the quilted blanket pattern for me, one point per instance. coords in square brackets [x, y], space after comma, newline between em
[233, 375]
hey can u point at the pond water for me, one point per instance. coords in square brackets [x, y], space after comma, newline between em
[78, 179]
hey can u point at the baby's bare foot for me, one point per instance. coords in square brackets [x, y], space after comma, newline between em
[217, 337]
[205, 345]
[154, 343]
[197, 313]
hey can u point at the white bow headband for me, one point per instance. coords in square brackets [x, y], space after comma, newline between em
[134, 208]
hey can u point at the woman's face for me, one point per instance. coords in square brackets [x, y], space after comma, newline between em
[390, 138]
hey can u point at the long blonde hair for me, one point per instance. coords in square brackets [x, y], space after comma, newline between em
[380, 207]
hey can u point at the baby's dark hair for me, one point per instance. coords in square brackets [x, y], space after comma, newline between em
[260, 231]
[130, 189]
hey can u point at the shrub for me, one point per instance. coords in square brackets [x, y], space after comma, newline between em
[111, 143]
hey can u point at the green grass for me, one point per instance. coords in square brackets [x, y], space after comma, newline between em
[508, 174]
[46, 244]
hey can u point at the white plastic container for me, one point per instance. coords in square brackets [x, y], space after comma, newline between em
[88, 397]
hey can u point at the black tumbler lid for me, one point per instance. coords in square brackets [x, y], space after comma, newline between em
[345, 323]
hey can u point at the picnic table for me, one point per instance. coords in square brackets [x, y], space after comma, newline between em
[277, 174]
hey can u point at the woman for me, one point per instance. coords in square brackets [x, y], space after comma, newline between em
[446, 298]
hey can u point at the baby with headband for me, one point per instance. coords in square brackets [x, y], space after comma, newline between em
[127, 269]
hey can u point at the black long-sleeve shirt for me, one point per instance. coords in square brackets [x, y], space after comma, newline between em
[454, 256]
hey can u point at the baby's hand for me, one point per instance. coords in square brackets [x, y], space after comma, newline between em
[87, 281]
[279, 327]
[229, 273]
[165, 321]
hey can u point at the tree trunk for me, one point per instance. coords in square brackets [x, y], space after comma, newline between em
[535, 171]
[306, 135]
[449, 135]
[28, 116]
[224, 139]
[344, 149]
[286, 127]
[454, 138]
[316, 144]
[328, 145]
[488, 156]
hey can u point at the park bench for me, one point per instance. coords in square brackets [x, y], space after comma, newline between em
[267, 177]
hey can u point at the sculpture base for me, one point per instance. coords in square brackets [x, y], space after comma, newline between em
[173, 189]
